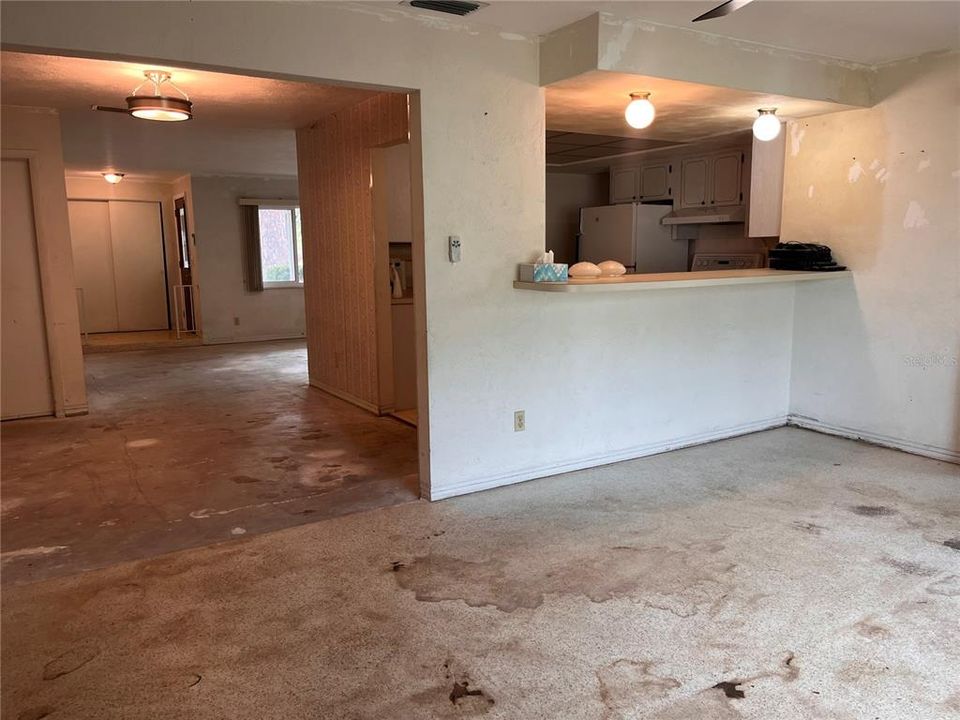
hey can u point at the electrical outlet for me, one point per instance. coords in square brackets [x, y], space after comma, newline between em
[519, 421]
[454, 248]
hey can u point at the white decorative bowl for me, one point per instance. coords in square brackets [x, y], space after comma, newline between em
[584, 270]
[611, 268]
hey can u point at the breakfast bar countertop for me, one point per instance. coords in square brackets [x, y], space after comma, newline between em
[660, 281]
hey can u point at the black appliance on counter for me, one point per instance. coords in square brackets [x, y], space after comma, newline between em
[803, 256]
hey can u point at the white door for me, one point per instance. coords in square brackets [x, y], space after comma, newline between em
[93, 265]
[693, 182]
[25, 386]
[139, 273]
[726, 178]
[119, 265]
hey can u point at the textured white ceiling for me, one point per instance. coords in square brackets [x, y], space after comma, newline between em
[242, 125]
[863, 31]
[594, 103]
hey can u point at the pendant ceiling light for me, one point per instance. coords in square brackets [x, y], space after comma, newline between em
[112, 177]
[640, 112]
[767, 126]
[159, 106]
[167, 103]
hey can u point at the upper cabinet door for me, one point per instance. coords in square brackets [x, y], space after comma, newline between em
[726, 178]
[655, 182]
[693, 182]
[624, 184]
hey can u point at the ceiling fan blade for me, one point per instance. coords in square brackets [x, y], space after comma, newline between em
[104, 108]
[722, 9]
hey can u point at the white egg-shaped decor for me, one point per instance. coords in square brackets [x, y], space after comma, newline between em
[611, 268]
[584, 270]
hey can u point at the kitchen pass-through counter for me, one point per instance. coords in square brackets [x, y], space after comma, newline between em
[661, 281]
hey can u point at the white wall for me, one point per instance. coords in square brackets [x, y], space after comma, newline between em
[566, 193]
[879, 358]
[271, 314]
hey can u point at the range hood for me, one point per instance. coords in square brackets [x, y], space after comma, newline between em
[706, 216]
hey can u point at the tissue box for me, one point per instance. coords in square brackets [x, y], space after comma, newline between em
[543, 272]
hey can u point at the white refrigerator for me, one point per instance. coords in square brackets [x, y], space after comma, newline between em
[631, 234]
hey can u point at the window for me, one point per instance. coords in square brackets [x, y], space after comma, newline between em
[281, 247]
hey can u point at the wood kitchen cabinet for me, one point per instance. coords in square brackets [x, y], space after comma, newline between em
[725, 178]
[624, 185]
[694, 176]
[641, 184]
[655, 182]
[711, 180]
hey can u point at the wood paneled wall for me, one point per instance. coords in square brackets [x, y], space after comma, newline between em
[333, 160]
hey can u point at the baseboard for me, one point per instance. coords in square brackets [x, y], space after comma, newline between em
[74, 410]
[910, 446]
[254, 338]
[638, 451]
[343, 395]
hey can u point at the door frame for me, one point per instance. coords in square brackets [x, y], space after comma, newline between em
[44, 260]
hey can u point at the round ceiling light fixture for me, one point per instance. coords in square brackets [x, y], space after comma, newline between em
[112, 177]
[161, 106]
[640, 111]
[767, 126]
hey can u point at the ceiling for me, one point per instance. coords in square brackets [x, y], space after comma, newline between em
[594, 102]
[242, 125]
[863, 32]
[573, 147]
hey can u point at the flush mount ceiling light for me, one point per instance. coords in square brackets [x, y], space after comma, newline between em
[162, 105]
[112, 177]
[767, 126]
[640, 112]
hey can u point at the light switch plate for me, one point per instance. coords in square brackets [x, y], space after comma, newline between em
[454, 248]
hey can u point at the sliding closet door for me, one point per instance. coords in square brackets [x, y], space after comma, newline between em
[93, 265]
[138, 265]
[118, 264]
[25, 390]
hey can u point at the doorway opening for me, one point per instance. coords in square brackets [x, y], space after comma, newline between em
[277, 415]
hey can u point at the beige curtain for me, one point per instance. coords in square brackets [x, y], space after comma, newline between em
[252, 269]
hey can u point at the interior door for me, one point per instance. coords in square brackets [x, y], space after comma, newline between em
[25, 383]
[93, 265]
[693, 182]
[139, 266]
[726, 178]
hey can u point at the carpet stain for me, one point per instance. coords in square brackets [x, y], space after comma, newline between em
[463, 699]
[626, 685]
[70, 661]
[731, 688]
[869, 629]
[678, 581]
[948, 586]
[244, 479]
[953, 543]
[37, 713]
[873, 510]
[462, 692]
[810, 527]
[907, 567]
